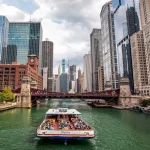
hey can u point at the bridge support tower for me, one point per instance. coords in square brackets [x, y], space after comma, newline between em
[24, 98]
[125, 93]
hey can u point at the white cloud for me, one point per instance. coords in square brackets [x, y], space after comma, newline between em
[68, 23]
[13, 13]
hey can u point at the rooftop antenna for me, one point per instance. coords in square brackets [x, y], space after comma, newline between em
[134, 3]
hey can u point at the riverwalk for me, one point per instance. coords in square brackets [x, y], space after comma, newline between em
[4, 107]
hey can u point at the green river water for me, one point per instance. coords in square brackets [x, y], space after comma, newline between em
[114, 129]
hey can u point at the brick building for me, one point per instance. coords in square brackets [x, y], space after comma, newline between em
[11, 74]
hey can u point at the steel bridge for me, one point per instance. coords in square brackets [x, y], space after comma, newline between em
[41, 94]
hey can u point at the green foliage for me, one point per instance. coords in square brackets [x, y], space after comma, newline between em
[6, 95]
[145, 103]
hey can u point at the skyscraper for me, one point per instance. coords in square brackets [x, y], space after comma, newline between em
[128, 11]
[64, 82]
[11, 54]
[139, 61]
[63, 65]
[4, 25]
[47, 57]
[72, 75]
[132, 21]
[87, 73]
[109, 45]
[79, 73]
[59, 71]
[145, 19]
[27, 37]
[144, 12]
[96, 58]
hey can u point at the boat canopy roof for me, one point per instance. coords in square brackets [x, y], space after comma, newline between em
[62, 111]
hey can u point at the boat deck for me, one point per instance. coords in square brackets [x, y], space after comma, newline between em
[66, 123]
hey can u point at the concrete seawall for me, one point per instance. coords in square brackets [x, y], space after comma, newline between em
[7, 107]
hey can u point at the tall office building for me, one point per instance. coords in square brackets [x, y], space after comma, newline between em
[63, 66]
[139, 61]
[145, 20]
[128, 11]
[11, 54]
[144, 12]
[96, 57]
[47, 57]
[100, 79]
[59, 70]
[44, 74]
[54, 85]
[27, 37]
[64, 82]
[79, 73]
[132, 21]
[4, 26]
[109, 45]
[72, 75]
[87, 73]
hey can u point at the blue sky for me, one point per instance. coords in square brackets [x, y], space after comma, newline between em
[25, 5]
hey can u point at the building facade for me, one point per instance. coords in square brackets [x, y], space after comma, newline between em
[55, 84]
[72, 75]
[63, 66]
[12, 74]
[109, 45]
[96, 58]
[45, 78]
[87, 73]
[64, 82]
[145, 21]
[78, 86]
[79, 73]
[126, 20]
[27, 38]
[81, 84]
[47, 61]
[100, 79]
[4, 26]
[144, 12]
[138, 61]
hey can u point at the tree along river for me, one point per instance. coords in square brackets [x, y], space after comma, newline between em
[114, 129]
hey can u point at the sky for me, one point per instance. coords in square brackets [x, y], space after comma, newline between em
[67, 23]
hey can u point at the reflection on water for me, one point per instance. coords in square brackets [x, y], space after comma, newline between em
[114, 129]
[67, 103]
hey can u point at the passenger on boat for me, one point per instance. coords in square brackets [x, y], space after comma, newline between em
[48, 124]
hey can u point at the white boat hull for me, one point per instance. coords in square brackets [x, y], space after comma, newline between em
[61, 134]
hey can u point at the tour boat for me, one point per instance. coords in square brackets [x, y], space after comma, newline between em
[66, 124]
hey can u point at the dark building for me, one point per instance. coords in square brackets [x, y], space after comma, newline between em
[95, 42]
[64, 82]
[127, 26]
[72, 75]
[47, 61]
[11, 54]
[132, 21]
[4, 25]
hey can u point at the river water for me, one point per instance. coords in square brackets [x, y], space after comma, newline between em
[114, 129]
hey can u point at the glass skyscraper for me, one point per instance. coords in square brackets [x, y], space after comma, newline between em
[109, 46]
[126, 19]
[25, 38]
[4, 25]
